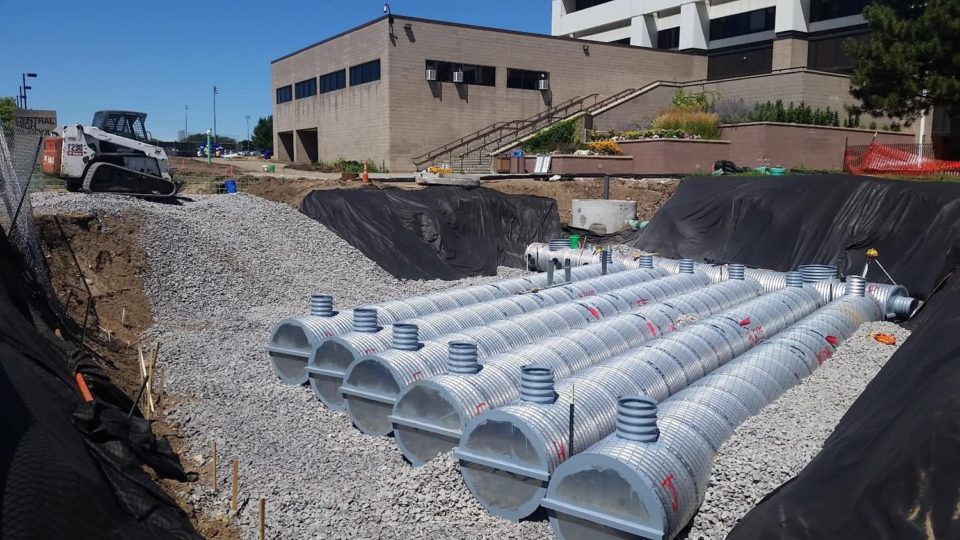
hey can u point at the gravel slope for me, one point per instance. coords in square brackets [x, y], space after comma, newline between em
[773, 446]
[222, 272]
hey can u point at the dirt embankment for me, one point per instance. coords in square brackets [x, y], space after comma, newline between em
[650, 194]
[113, 265]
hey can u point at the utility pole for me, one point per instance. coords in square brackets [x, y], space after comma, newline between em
[209, 149]
[215, 92]
[25, 87]
[20, 97]
[186, 129]
[248, 132]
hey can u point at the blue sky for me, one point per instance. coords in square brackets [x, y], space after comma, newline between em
[159, 56]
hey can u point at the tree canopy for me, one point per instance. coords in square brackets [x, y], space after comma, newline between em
[7, 104]
[263, 134]
[911, 62]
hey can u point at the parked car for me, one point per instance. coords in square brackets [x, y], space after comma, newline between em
[266, 154]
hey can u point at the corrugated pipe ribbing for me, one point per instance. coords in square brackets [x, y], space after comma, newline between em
[662, 484]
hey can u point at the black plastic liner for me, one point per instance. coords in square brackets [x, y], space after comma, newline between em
[441, 232]
[68, 468]
[890, 469]
[782, 222]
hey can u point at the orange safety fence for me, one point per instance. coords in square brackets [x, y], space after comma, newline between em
[905, 159]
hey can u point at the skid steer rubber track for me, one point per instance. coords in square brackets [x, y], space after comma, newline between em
[106, 177]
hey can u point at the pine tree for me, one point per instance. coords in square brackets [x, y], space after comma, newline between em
[911, 62]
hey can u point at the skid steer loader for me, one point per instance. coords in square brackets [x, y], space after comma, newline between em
[111, 156]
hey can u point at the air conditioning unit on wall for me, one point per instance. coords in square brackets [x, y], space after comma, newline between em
[458, 77]
[431, 74]
[543, 85]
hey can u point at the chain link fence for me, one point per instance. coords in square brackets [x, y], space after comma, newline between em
[19, 150]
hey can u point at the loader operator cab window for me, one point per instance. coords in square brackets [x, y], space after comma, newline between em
[131, 125]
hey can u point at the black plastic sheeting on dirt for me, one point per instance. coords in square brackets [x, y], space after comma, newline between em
[68, 468]
[782, 222]
[890, 470]
[441, 232]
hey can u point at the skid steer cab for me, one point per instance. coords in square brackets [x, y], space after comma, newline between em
[111, 156]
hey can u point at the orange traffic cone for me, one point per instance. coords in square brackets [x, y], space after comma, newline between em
[366, 174]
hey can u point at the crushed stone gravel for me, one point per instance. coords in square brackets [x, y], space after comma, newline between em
[222, 271]
[773, 446]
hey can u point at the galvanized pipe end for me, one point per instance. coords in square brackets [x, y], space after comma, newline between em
[462, 358]
[686, 266]
[321, 305]
[637, 419]
[558, 244]
[736, 272]
[567, 270]
[812, 273]
[406, 337]
[537, 385]
[365, 320]
[550, 275]
[794, 279]
[856, 286]
[904, 306]
[646, 261]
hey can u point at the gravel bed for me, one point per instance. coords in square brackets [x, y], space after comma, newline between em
[773, 446]
[222, 271]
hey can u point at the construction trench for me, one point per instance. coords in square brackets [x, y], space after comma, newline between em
[360, 405]
[670, 356]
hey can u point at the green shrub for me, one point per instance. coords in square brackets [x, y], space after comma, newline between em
[695, 101]
[560, 136]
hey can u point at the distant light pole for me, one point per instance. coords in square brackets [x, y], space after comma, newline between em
[248, 132]
[25, 87]
[215, 92]
[186, 128]
[20, 97]
[209, 150]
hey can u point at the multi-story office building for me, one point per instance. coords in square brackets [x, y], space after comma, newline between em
[739, 37]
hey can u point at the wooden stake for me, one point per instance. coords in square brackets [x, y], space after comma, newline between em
[234, 488]
[213, 467]
[263, 518]
[153, 364]
[123, 317]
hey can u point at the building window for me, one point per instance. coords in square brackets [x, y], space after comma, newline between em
[745, 62]
[586, 4]
[306, 88]
[822, 10]
[624, 41]
[749, 22]
[365, 73]
[524, 79]
[472, 74]
[333, 81]
[669, 38]
[827, 54]
[284, 94]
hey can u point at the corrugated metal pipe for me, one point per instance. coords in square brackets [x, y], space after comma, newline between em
[506, 454]
[621, 487]
[293, 341]
[372, 384]
[430, 415]
[329, 363]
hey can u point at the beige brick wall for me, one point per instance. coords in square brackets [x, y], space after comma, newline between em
[352, 123]
[789, 53]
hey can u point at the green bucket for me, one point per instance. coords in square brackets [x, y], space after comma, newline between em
[777, 171]
[575, 241]
[271, 168]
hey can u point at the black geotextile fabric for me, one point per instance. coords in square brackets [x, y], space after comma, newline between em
[782, 222]
[891, 468]
[71, 469]
[441, 232]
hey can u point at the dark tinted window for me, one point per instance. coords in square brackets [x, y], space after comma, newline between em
[306, 88]
[669, 38]
[584, 4]
[472, 74]
[365, 73]
[750, 22]
[524, 79]
[821, 10]
[284, 94]
[827, 54]
[333, 81]
[735, 64]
